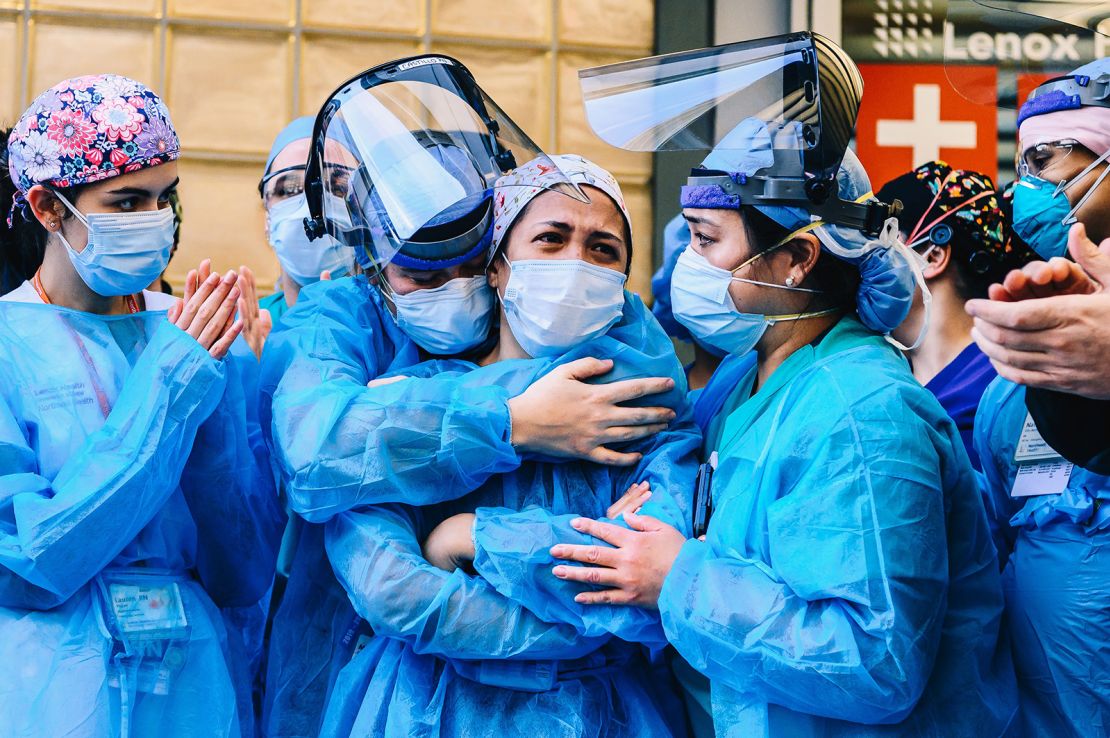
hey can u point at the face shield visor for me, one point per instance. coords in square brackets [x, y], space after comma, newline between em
[783, 108]
[404, 160]
[997, 52]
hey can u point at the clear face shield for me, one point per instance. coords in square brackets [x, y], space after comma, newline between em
[784, 106]
[404, 161]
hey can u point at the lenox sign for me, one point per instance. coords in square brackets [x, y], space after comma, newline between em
[1032, 46]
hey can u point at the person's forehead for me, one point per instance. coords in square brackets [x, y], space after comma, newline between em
[154, 179]
[549, 203]
[294, 154]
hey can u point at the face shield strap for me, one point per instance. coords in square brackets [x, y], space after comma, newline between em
[1066, 93]
[768, 190]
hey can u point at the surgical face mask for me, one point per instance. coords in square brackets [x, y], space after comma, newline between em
[701, 301]
[125, 252]
[1042, 213]
[303, 260]
[552, 305]
[447, 320]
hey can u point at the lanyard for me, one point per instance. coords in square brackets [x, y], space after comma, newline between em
[98, 389]
[36, 282]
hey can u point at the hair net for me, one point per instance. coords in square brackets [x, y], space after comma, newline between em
[295, 131]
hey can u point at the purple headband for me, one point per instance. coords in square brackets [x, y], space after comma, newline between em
[87, 129]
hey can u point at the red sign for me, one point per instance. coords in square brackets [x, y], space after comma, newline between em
[911, 114]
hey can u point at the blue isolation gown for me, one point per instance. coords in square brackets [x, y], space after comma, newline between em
[504, 650]
[132, 478]
[1056, 549]
[848, 585]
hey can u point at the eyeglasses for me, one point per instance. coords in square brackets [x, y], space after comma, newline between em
[1036, 160]
[289, 182]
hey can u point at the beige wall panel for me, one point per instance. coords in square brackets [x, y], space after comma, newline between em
[574, 135]
[531, 20]
[214, 105]
[60, 51]
[398, 16]
[638, 199]
[519, 80]
[10, 34]
[611, 23]
[259, 11]
[327, 61]
[133, 7]
[222, 220]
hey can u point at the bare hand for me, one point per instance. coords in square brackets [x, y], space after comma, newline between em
[635, 567]
[631, 501]
[1060, 341]
[257, 322]
[450, 545]
[207, 312]
[561, 415]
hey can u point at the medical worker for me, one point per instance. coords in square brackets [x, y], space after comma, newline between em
[470, 637]
[1057, 579]
[340, 445]
[134, 492]
[303, 262]
[847, 584]
[959, 224]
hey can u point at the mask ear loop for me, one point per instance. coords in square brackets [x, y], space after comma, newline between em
[1070, 217]
[787, 239]
[889, 237]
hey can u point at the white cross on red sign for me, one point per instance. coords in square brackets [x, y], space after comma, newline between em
[911, 114]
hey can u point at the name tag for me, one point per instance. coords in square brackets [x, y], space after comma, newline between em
[147, 609]
[1045, 478]
[1030, 446]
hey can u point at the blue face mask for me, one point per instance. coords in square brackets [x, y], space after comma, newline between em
[1042, 213]
[702, 302]
[449, 319]
[552, 305]
[125, 252]
[302, 260]
[1042, 216]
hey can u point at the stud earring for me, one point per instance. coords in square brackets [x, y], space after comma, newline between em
[789, 281]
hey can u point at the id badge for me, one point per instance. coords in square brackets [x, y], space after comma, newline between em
[141, 606]
[148, 611]
[1041, 470]
[1031, 446]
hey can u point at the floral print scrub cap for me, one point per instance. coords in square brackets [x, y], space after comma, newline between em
[87, 129]
[513, 191]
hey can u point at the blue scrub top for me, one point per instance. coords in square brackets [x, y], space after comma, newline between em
[959, 387]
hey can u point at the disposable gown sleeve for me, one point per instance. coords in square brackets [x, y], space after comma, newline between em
[512, 549]
[841, 622]
[994, 480]
[229, 487]
[56, 535]
[376, 555]
[340, 444]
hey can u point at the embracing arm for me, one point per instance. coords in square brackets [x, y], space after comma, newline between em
[376, 555]
[340, 444]
[512, 549]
